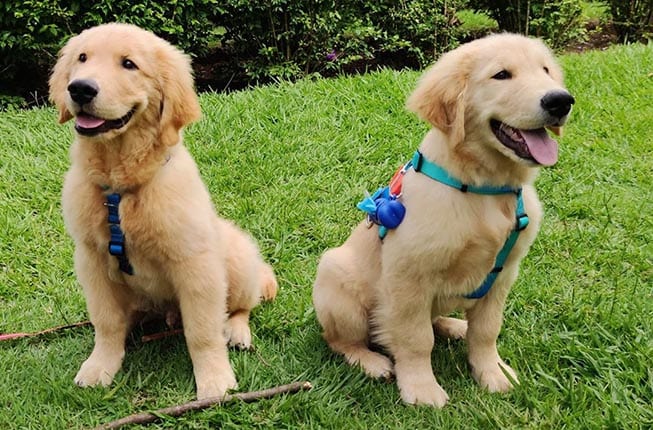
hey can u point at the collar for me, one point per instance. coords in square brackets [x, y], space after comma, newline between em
[427, 167]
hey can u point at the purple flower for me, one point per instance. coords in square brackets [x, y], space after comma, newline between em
[332, 56]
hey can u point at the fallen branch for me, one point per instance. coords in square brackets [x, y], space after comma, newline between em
[175, 411]
[9, 336]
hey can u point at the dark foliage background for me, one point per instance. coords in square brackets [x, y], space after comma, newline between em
[236, 43]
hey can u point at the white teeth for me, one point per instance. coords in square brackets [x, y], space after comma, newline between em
[511, 132]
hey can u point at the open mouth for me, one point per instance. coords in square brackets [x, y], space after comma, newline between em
[534, 145]
[90, 125]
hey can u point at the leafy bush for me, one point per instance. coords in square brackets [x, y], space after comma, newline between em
[32, 31]
[475, 24]
[632, 19]
[558, 22]
[238, 42]
[296, 38]
[247, 41]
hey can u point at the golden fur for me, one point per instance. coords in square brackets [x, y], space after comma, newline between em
[185, 257]
[396, 292]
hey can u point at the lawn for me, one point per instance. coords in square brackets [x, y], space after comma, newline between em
[288, 163]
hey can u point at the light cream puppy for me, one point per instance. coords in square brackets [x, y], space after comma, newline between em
[130, 94]
[488, 103]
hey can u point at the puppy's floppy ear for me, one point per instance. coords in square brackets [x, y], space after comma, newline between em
[59, 81]
[440, 95]
[179, 102]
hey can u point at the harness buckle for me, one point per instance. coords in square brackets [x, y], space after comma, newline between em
[522, 222]
[116, 249]
[417, 161]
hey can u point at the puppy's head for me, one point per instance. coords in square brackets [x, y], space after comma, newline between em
[111, 77]
[498, 93]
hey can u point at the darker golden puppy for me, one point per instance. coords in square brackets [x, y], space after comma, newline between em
[146, 235]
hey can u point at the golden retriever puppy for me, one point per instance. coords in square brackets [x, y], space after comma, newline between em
[146, 235]
[488, 102]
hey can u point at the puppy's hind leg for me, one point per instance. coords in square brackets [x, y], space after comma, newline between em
[250, 280]
[245, 292]
[264, 286]
[269, 285]
[337, 297]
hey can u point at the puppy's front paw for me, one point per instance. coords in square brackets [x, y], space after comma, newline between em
[96, 372]
[216, 385]
[493, 378]
[425, 391]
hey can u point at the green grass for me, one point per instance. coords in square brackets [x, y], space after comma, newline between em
[288, 163]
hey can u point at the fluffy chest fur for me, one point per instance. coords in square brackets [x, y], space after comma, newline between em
[160, 219]
[452, 238]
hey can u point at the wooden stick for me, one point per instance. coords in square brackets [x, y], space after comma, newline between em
[9, 336]
[196, 405]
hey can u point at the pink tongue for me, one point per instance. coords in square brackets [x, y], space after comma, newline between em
[543, 149]
[88, 121]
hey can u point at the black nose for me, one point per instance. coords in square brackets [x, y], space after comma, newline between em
[557, 103]
[83, 91]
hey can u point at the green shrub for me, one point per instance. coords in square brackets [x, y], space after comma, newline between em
[238, 42]
[632, 19]
[32, 31]
[558, 22]
[296, 38]
[240, 39]
[11, 102]
[30, 34]
[475, 24]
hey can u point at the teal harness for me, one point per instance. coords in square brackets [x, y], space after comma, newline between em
[421, 164]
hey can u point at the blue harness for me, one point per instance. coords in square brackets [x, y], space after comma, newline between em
[117, 240]
[384, 209]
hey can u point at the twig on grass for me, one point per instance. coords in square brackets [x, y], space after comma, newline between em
[9, 336]
[145, 338]
[260, 357]
[196, 405]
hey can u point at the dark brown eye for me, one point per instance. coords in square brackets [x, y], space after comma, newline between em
[502, 75]
[129, 64]
[546, 69]
[82, 58]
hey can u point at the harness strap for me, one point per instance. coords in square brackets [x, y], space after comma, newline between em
[423, 165]
[521, 223]
[117, 239]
